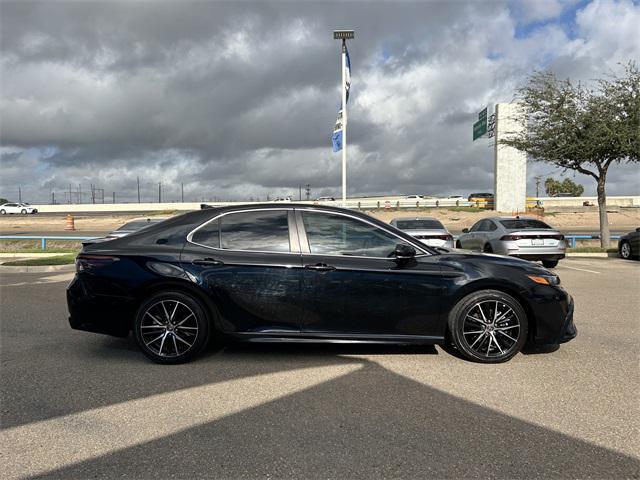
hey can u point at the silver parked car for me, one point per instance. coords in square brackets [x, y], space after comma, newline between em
[527, 238]
[426, 229]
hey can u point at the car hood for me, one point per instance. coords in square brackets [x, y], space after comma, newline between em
[461, 257]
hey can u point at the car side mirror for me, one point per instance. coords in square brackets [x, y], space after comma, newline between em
[404, 252]
[465, 230]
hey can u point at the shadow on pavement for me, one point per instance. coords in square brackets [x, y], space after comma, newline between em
[368, 424]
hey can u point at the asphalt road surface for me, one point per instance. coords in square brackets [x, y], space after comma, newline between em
[80, 405]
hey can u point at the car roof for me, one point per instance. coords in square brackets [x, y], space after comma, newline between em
[416, 218]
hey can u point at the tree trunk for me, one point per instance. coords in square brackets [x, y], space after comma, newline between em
[605, 236]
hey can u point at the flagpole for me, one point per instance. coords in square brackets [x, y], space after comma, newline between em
[344, 123]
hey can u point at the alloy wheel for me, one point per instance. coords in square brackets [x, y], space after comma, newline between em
[169, 328]
[625, 250]
[491, 328]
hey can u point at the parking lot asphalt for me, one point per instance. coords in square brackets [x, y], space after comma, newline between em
[79, 405]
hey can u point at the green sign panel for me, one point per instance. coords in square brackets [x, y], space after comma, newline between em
[482, 115]
[480, 128]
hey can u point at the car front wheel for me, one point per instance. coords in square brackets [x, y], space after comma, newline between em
[625, 250]
[23, 212]
[171, 327]
[488, 326]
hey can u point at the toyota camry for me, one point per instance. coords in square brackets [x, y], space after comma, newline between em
[301, 273]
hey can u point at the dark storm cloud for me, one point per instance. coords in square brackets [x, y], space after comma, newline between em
[239, 98]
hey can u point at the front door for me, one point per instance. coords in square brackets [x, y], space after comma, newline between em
[354, 286]
[249, 263]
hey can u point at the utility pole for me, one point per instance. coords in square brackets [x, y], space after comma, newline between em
[69, 193]
[53, 198]
[182, 191]
[138, 180]
[300, 192]
[19, 194]
[538, 186]
[114, 197]
[159, 192]
[307, 191]
[79, 193]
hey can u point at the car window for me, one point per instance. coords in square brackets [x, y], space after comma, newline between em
[264, 231]
[329, 234]
[523, 224]
[208, 234]
[490, 226]
[421, 224]
[476, 226]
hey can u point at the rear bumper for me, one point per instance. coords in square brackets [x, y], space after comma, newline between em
[539, 256]
[110, 315]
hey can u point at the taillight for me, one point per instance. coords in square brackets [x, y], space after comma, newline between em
[556, 237]
[91, 262]
[510, 238]
[447, 238]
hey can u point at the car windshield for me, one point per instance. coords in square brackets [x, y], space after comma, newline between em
[420, 224]
[523, 224]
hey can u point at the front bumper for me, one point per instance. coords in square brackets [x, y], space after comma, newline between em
[569, 330]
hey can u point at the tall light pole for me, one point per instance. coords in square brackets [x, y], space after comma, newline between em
[344, 35]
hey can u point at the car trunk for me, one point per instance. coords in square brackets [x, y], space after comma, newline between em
[535, 238]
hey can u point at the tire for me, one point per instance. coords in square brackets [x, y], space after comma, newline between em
[171, 342]
[458, 244]
[23, 211]
[625, 250]
[550, 263]
[3, 212]
[471, 335]
[487, 248]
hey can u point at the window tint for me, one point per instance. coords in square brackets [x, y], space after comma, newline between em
[208, 235]
[337, 235]
[265, 231]
[422, 224]
[476, 226]
[490, 226]
[523, 224]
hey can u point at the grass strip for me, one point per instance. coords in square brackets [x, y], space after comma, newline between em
[35, 262]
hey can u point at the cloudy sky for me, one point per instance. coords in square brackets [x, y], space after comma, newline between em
[238, 99]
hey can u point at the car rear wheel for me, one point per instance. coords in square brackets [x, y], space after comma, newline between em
[171, 327]
[625, 250]
[549, 263]
[23, 211]
[488, 326]
[458, 244]
[487, 249]
[3, 212]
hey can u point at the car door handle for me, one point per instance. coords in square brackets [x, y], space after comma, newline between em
[207, 262]
[320, 267]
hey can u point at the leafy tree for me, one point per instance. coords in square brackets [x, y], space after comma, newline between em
[580, 128]
[3, 201]
[555, 187]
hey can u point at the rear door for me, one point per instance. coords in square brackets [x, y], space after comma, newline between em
[249, 263]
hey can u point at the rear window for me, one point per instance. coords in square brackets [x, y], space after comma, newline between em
[523, 224]
[135, 225]
[421, 224]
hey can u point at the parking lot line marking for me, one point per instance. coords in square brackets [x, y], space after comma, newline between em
[580, 269]
[81, 436]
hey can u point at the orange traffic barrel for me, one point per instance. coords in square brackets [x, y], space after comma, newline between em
[70, 225]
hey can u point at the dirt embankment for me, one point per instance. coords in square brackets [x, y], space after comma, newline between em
[579, 220]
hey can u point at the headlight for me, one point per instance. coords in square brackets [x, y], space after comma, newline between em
[552, 280]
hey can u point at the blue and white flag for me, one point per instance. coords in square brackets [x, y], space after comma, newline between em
[336, 138]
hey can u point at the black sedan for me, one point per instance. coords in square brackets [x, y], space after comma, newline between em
[300, 273]
[629, 245]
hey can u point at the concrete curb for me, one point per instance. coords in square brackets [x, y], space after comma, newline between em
[31, 255]
[37, 268]
[593, 254]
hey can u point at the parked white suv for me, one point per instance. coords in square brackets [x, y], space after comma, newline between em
[22, 208]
